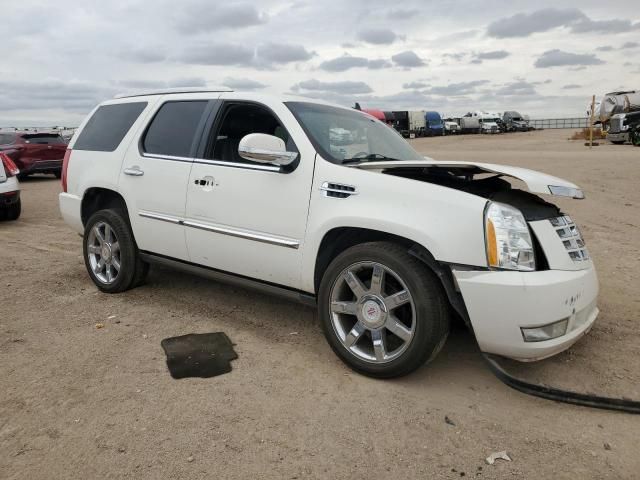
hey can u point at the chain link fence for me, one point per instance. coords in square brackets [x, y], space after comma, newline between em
[554, 123]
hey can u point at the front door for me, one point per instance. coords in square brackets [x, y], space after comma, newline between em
[244, 217]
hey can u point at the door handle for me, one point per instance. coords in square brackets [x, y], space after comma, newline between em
[133, 171]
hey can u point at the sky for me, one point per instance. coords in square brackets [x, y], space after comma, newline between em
[543, 58]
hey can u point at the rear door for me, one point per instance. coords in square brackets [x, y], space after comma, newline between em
[155, 172]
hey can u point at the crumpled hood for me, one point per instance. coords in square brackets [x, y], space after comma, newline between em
[536, 182]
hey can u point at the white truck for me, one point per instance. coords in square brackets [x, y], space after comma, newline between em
[479, 122]
[249, 188]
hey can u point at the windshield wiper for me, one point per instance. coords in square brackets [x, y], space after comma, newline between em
[371, 156]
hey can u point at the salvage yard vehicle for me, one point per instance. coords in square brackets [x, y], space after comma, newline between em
[621, 125]
[10, 204]
[514, 122]
[34, 152]
[249, 189]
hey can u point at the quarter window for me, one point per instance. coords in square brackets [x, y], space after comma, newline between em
[107, 127]
[172, 131]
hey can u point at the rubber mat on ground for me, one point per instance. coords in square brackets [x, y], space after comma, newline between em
[202, 355]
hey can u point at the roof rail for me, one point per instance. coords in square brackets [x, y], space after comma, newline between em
[164, 91]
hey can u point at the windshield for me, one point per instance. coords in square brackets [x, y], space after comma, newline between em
[342, 136]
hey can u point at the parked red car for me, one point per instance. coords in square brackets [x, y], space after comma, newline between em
[34, 152]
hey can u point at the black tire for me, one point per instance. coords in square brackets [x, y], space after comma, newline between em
[617, 142]
[22, 176]
[133, 270]
[58, 174]
[12, 212]
[431, 308]
[635, 137]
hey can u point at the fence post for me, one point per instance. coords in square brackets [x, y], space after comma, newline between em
[593, 107]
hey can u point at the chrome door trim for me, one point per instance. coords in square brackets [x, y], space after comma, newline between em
[159, 216]
[167, 157]
[248, 166]
[248, 235]
[224, 230]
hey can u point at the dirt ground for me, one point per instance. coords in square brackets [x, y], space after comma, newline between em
[82, 402]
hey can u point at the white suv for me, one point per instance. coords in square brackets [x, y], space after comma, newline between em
[260, 191]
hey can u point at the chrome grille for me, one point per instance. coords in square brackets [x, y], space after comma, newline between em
[571, 238]
[615, 124]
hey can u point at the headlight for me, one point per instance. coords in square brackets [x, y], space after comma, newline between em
[509, 243]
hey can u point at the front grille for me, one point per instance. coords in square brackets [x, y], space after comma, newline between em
[571, 238]
[615, 125]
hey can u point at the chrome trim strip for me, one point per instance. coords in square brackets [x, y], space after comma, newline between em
[266, 168]
[258, 237]
[168, 157]
[204, 161]
[232, 232]
[159, 216]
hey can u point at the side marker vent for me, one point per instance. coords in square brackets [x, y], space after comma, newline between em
[337, 190]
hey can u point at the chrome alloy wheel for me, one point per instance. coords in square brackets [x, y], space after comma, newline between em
[372, 312]
[103, 250]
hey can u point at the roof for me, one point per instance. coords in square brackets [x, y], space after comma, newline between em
[165, 91]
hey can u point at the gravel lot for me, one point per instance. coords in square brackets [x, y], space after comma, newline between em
[82, 402]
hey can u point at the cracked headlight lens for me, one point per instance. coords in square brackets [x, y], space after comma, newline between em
[509, 242]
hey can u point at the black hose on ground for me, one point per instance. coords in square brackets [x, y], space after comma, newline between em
[564, 396]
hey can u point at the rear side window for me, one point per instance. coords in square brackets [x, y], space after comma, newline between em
[44, 138]
[107, 127]
[173, 129]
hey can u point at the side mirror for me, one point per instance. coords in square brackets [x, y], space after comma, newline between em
[263, 148]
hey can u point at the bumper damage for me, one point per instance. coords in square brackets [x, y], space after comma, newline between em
[501, 303]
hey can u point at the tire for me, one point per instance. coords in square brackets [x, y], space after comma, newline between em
[22, 176]
[617, 142]
[116, 268]
[635, 138]
[12, 212]
[58, 174]
[361, 329]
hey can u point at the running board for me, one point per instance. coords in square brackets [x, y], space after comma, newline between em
[564, 396]
[231, 279]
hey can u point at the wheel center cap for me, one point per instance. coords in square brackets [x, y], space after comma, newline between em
[105, 253]
[372, 314]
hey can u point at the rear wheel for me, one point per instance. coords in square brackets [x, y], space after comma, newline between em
[58, 174]
[635, 137]
[110, 252]
[11, 212]
[382, 311]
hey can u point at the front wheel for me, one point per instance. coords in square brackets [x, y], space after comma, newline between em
[382, 311]
[110, 252]
[635, 137]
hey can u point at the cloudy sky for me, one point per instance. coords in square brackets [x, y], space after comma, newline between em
[543, 58]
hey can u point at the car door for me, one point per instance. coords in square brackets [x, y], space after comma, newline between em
[155, 172]
[243, 217]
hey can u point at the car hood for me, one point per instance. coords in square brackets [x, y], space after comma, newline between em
[536, 182]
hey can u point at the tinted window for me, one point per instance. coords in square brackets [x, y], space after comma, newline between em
[107, 127]
[6, 138]
[44, 138]
[173, 129]
[242, 119]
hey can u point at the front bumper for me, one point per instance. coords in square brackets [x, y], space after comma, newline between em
[618, 137]
[500, 303]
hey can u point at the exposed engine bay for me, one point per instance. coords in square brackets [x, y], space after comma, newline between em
[479, 182]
